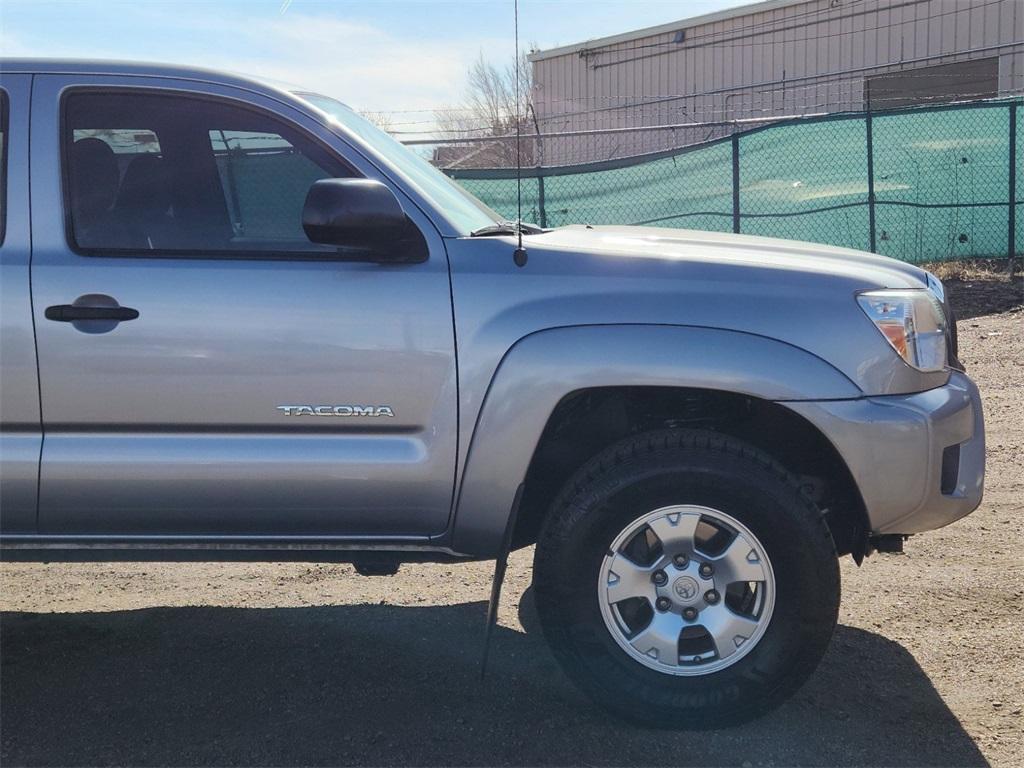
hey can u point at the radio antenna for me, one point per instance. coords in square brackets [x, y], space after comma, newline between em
[520, 253]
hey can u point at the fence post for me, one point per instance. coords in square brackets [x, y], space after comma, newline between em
[871, 180]
[735, 183]
[541, 211]
[1011, 242]
[539, 164]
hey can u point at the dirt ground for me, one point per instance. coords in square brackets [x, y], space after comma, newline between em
[297, 664]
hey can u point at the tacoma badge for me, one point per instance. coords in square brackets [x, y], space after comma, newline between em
[336, 410]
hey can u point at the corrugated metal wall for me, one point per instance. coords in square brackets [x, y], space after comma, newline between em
[780, 58]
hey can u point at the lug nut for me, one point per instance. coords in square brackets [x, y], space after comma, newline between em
[706, 570]
[711, 596]
[689, 614]
[660, 578]
[662, 604]
[681, 560]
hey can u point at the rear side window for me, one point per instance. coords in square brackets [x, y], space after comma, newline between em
[3, 165]
[186, 175]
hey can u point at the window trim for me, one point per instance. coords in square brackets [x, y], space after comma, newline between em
[5, 128]
[339, 255]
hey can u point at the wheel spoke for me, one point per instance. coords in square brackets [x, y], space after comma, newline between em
[675, 531]
[627, 579]
[739, 562]
[660, 639]
[728, 630]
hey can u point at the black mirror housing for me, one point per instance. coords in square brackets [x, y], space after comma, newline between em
[362, 216]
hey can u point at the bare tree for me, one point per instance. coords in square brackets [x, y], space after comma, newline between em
[490, 108]
[381, 119]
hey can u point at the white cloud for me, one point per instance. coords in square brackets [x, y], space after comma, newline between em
[359, 63]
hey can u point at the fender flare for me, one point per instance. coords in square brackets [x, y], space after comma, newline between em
[541, 369]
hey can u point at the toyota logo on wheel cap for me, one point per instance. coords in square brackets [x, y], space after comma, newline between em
[685, 588]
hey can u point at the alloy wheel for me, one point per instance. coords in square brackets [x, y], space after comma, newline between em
[686, 590]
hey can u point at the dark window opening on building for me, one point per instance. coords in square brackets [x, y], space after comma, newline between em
[962, 81]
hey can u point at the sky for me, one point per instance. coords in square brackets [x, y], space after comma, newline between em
[391, 56]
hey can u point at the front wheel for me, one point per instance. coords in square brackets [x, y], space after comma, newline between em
[683, 580]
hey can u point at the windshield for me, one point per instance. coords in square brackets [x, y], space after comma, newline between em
[461, 208]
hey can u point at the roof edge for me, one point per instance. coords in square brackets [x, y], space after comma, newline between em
[135, 67]
[660, 29]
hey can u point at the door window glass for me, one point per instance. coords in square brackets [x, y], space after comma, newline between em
[187, 175]
[258, 171]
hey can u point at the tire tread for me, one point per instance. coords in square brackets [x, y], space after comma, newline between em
[618, 466]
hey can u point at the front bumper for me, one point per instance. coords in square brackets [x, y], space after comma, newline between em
[918, 460]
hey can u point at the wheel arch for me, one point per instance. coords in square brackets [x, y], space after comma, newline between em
[548, 374]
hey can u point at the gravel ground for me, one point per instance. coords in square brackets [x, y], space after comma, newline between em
[295, 664]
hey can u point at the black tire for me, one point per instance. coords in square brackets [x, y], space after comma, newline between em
[674, 467]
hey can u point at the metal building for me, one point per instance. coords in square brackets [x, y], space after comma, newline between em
[739, 67]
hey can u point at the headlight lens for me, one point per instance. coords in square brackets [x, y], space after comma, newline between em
[912, 322]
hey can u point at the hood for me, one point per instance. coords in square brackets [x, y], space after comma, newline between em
[798, 293]
[731, 250]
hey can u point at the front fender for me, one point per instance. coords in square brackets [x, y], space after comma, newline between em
[542, 368]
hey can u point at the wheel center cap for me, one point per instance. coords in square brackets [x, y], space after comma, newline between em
[686, 589]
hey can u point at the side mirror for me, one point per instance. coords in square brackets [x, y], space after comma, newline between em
[365, 218]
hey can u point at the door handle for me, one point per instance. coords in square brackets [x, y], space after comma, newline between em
[69, 313]
[91, 313]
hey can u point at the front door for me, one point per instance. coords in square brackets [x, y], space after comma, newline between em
[204, 369]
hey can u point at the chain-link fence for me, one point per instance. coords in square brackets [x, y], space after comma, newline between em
[920, 184]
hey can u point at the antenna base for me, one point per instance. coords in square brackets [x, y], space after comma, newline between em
[519, 257]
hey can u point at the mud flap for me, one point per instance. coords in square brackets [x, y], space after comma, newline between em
[500, 566]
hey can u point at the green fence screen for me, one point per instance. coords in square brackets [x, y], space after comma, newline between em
[919, 184]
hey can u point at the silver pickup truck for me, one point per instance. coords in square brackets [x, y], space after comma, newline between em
[240, 322]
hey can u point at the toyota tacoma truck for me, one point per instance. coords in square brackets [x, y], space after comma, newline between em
[241, 323]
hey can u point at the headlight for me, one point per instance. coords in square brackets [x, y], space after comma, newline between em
[912, 322]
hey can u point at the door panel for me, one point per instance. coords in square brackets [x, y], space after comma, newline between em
[170, 423]
[20, 427]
